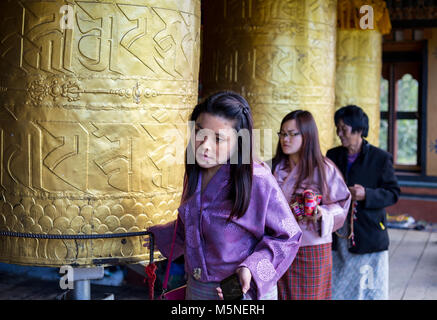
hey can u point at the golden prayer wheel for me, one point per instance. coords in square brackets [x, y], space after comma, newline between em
[359, 63]
[94, 102]
[359, 59]
[280, 55]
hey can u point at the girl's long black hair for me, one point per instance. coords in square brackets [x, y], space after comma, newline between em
[231, 106]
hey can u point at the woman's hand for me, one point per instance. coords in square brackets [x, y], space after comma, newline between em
[244, 276]
[358, 192]
[219, 293]
[317, 213]
[146, 243]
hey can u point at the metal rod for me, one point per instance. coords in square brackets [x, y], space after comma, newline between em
[82, 290]
[73, 236]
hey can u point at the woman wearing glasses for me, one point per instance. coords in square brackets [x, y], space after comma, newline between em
[319, 199]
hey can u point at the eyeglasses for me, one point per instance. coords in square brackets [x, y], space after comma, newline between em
[283, 135]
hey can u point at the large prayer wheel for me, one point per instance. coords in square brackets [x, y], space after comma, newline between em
[280, 55]
[94, 103]
[359, 63]
[359, 58]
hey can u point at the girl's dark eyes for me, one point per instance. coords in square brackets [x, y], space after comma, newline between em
[217, 139]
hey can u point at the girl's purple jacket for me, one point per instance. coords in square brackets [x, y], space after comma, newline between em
[265, 240]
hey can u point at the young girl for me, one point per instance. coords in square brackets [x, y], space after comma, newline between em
[233, 216]
[300, 169]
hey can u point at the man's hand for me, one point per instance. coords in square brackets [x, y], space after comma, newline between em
[358, 192]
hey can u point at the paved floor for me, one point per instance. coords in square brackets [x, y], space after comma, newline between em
[413, 265]
[413, 274]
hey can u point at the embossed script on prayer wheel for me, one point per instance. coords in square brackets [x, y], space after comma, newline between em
[359, 63]
[94, 102]
[280, 55]
[359, 58]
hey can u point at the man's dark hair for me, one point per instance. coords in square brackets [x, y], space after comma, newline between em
[354, 117]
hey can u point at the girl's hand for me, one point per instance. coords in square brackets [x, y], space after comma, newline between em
[244, 276]
[219, 293]
[146, 243]
[317, 213]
